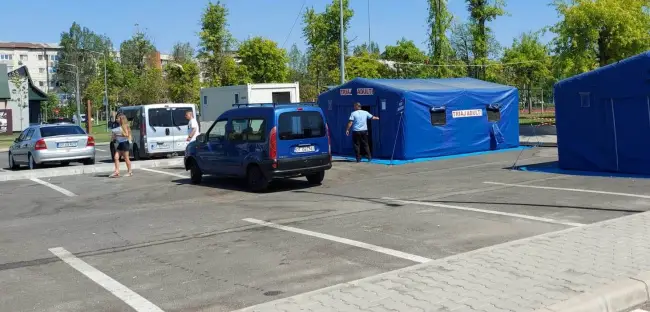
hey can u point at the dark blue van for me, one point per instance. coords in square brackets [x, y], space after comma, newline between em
[263, 142]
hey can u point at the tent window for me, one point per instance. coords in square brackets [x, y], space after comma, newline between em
[494, 112]
[438, 116]
[585, 99]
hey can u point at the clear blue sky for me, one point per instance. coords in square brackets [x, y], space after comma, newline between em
[169, 21]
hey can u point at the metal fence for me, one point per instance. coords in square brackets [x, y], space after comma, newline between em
[536, 100]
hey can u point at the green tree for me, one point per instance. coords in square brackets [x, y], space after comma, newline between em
[234, 74]
[481, 13]
[95, 93]
[530, 62]
[150, 87]
[440, 21]
[372, 49]
[182, 52]
[593, 33]
[463, 44]
[215, 43]
[322, 33]
[364, 65]
[183, 84]
[409, 59]
[136, 52]
[52, 102]
[265, 61]
[76, 45]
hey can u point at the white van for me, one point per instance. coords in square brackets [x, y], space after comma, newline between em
[158, 129]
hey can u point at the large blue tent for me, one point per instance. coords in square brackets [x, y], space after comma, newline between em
[425, 117]
[603, 118]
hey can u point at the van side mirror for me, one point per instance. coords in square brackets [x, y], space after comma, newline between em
[16, 140]
[201, 137]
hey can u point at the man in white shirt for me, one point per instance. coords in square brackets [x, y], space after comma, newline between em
[192, 127]
[359, 124]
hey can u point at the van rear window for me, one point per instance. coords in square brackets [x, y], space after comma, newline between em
[160, 117]
[300, 125]
[163, 117]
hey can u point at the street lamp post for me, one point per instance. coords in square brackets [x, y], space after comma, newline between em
[78, 96]
[342, 39]
[105, 85]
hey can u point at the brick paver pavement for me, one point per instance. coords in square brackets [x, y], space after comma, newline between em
[519, 276]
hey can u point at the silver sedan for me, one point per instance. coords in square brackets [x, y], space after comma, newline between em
[57, 143]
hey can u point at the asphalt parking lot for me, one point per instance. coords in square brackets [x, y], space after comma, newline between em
[154, 241]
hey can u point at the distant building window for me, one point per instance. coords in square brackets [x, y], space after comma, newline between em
[54, 57]
[585, 99]
[438, 116]
[41, 70]
[41, 83]
[23, 57]
[205, 100]
[236, 98]
[40, 57]
[494, 112]
[51, 70]
[6, 57]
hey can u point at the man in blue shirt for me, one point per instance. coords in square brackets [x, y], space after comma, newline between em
[359, 124]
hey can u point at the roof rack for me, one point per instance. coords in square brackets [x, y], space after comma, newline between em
[276, 104]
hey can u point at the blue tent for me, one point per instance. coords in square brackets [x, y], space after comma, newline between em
[425, 117]
[603, 118]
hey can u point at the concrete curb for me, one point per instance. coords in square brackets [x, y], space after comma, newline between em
[77, 170]
[619, 296]
[540, 144]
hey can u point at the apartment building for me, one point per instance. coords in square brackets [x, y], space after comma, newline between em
[40, 59]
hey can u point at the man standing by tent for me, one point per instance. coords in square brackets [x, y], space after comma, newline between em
[359, 124]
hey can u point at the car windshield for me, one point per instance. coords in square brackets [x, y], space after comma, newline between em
[300, 125]
[61, 130]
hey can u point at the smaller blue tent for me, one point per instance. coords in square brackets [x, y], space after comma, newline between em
[425, 117]
[603, 118]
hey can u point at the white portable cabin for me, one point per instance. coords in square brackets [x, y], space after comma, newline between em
[215, 101]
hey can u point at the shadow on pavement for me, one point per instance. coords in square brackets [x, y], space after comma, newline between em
[233, 184]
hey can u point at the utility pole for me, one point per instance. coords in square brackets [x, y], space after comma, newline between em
[78, 96]
[369, 41]
[342, 44]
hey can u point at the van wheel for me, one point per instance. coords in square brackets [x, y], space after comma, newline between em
[136, 152]
[316, 178]
[257, 182]
[89, 161]
[196, 175]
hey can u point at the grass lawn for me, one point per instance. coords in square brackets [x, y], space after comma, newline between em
[98, 132]
[537, 119]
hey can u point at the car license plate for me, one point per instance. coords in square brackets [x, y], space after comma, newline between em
[162, 146]
[305, 149]
[66, 144]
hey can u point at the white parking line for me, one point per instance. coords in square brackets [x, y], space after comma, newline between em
[639, 310]
[514, 215]
[54, 187]
[101, 150]
[167, 173]
[570, 189]
[383, 250]
[127, 295]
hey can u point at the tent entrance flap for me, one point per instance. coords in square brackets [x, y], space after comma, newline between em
[371, 137]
